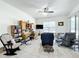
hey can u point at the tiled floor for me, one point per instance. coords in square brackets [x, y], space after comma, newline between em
[35, 50]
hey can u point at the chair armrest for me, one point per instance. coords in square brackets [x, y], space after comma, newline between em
[9, 44]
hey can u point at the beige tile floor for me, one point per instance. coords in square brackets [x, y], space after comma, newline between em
[35, 50]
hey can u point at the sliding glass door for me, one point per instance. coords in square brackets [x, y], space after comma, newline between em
[74, 26]
[77, 29]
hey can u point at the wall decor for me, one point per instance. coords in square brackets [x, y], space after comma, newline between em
[60, 23]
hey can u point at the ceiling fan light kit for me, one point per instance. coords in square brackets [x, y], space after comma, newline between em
[46, 10]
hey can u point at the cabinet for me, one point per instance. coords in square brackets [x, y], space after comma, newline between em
[22, 24]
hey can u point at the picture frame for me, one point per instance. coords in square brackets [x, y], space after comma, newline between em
[60, 23]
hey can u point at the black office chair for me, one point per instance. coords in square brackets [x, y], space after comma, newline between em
[9, 44]
[47, 41]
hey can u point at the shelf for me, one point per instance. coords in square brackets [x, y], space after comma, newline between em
[16, 32]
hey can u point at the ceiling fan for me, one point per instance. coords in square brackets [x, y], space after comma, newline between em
[46, 10]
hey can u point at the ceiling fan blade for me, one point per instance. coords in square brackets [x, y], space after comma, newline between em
[49, 11]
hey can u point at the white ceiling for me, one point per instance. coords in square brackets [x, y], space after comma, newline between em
[60, 7]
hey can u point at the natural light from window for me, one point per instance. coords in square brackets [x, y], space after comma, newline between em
[73, 24]
[49, 26]
[77, 27]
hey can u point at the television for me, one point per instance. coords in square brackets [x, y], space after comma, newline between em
[39, 26]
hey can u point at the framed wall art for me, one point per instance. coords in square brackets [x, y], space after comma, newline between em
[60, 23]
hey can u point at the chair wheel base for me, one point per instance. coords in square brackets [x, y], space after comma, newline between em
[48, 48]
[10, 54]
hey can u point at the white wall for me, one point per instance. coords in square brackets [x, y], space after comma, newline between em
[59, 29]
[10, 15]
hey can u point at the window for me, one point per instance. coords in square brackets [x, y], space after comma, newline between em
[49, 26]
[77, 27]
[73, 24]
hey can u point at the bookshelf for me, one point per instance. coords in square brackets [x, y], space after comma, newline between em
[25, 28]
[16, 32]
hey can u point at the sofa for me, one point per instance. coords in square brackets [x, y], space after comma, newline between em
[69, 39]
[66, 39]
